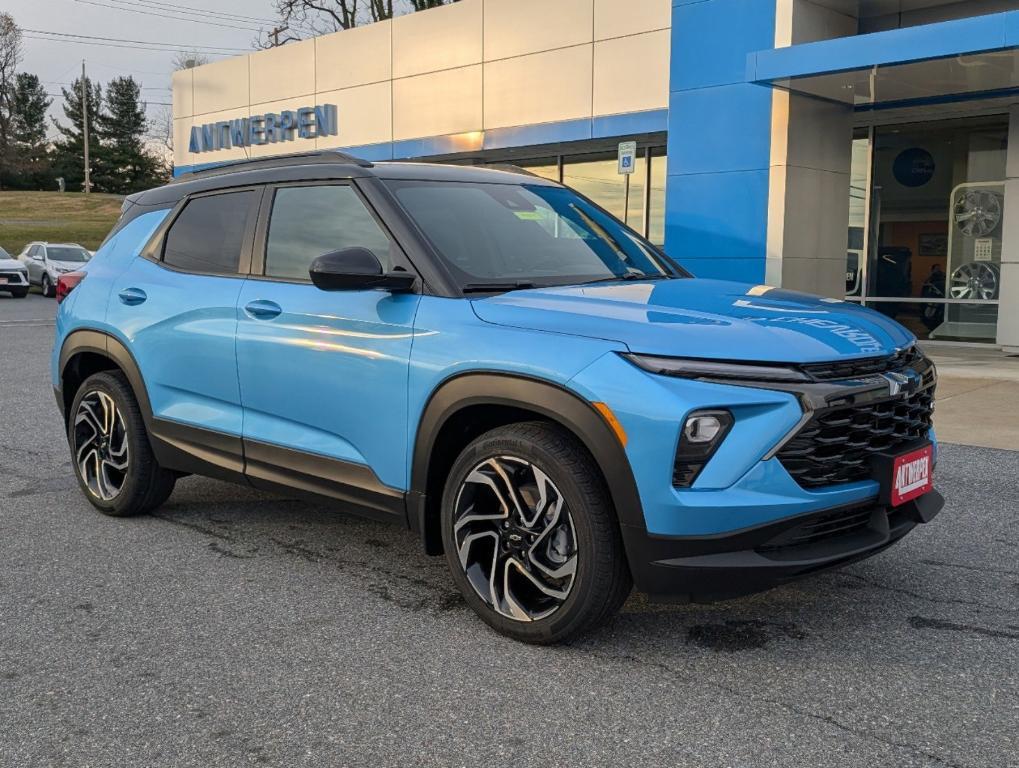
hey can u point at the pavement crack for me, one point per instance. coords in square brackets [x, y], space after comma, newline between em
[784, 705]
[978, 568]
[922, 622]
[204, 529]
[921, 596]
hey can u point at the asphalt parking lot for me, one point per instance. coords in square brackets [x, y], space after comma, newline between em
[237, 628]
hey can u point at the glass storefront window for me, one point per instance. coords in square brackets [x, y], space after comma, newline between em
[936, 222]
[595, 176]
[858, 175]
[546, 167]
[656, 199]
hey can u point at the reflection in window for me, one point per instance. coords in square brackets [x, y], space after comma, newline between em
[308, 222]
[858, 174]
[596, 177]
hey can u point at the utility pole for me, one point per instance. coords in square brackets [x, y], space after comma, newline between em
[84, 125]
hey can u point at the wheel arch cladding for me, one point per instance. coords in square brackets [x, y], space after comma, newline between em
[85, 352]
[467, 405]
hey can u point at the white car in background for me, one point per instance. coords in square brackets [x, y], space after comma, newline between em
[13, 276]
[46, 262]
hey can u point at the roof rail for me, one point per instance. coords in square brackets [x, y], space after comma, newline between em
[278, 161]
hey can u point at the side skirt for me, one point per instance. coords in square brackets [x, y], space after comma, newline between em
[194, 450]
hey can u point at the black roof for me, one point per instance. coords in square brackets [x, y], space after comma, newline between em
[324, 165]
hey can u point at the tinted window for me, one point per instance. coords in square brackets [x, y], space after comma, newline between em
[490, 233]
[208, 234]
[308, 222]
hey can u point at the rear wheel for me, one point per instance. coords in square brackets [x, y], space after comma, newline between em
[110, 449]
[20, 293]
[530, 534]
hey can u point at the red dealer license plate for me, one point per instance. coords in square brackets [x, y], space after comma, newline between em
[912, 475]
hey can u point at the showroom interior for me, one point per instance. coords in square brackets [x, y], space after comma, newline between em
[859, 149]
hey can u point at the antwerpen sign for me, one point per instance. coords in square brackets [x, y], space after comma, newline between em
[270, 128]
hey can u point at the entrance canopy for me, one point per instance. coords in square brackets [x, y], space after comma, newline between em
[955, 60]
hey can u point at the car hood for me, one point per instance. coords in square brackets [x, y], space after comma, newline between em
[11, 264]
[710, 319]
[67, 266]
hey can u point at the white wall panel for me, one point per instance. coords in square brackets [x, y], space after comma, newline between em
[437, 104]
[442, 38]
[183, 92]
[221, 85]
[631, 74]
[364, 115]
[617, 18]
[540, 88]
[283, 73]
[517, 27]
[354, 57]
[279, 147]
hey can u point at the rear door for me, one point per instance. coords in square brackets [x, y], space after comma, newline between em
[178, 312]
[324, 374]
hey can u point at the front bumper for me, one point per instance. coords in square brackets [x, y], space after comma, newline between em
[717, 567]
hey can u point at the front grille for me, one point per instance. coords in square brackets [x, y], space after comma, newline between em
[840, 522]
[854, 369]
[836, 444]
[13, 278]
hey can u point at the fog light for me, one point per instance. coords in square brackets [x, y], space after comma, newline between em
[703, 432]
[702, 429]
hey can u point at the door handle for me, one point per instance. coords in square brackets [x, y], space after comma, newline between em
[263, 309]
[132, 296]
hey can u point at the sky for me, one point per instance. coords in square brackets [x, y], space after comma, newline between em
[59, 63]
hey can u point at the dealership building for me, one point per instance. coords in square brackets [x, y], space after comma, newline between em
[860, 149]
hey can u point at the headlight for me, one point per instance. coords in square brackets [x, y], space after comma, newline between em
[691, 368]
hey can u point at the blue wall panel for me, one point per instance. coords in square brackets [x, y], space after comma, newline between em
[719, 138]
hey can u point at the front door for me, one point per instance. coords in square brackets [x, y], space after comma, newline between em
[324, 374]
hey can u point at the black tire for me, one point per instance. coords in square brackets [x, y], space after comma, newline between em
[20, 294]
[144, 484]
[602, 580]
[47, 286]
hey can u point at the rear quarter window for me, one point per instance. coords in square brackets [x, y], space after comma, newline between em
[208, 235]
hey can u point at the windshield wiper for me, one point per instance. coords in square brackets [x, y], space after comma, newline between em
[628, 276]
[495, 287]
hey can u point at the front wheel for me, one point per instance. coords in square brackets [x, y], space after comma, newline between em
[47, 286]
[531, 536]
[110, 449]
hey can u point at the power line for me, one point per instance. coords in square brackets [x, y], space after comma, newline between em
[176, 46]
[166, 16]
[124, 45]
[176, 7]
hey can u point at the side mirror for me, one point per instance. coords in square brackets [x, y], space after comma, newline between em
[356, 269]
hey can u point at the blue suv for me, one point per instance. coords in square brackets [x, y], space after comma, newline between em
[493, 361]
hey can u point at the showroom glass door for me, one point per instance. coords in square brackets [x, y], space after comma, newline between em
[932, 226]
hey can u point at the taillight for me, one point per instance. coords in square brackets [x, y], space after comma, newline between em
[67, 283]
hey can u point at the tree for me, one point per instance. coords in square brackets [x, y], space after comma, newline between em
[29, 162]
[10, 56]
[300, 19]
[126, 164]
[69, 152]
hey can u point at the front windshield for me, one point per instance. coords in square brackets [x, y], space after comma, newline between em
[529, 235]
[67, 253]
[4, 254]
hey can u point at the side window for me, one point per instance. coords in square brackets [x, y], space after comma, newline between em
[208, 234]
[35, 252]
[308, 222]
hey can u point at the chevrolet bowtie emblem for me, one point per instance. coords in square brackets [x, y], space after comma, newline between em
[902, 382]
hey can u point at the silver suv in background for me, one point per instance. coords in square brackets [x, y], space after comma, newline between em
[46, 262]
[13, 276]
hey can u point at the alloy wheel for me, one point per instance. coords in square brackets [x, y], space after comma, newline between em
[974, 280]
[100, 445]
[515, 538]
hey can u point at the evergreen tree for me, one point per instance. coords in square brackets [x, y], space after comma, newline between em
[29, 162]
[69, 151]
[127, 164]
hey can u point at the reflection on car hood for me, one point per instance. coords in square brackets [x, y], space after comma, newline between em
[11, 264]
[704, 319]
[68, 266]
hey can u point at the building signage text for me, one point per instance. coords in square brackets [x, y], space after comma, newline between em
[269, 128]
